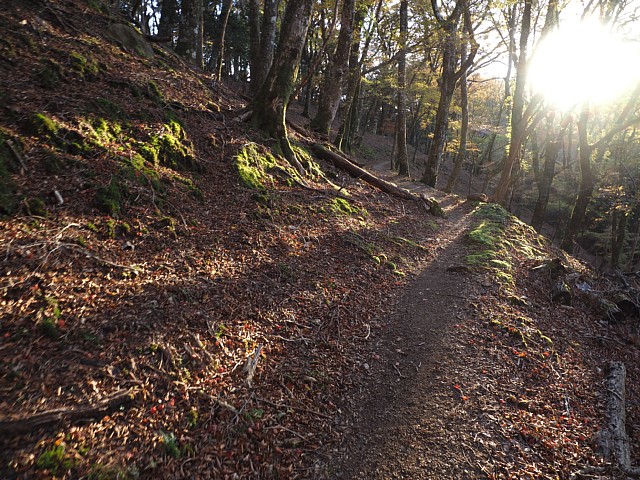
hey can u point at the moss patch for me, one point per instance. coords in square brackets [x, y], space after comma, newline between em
[50, 74]
[40, 124]
[109, 199]
[253, 167]
[340, 206]
[86, 67]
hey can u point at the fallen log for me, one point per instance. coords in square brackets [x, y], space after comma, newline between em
[613, 440]
[357, 172]
[552, 266]
[625, 304]
[73, 414]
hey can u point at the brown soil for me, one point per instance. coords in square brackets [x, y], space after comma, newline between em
[408, 424]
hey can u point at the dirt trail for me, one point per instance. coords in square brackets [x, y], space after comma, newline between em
[405, 426]
[407, 421]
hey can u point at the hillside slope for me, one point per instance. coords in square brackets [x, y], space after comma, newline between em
[175, 305]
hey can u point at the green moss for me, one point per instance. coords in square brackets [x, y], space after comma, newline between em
[40, 124]
[149, 152]
[104, 131]
[109, 199]
[174, 154]
[49, 74]
[170, 445]
[49, 328]
[55, 460]
[87, 68]
[340, 206]
[153, 93]
[253, 167]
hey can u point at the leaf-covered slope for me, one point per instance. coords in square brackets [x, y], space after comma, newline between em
[138, 257]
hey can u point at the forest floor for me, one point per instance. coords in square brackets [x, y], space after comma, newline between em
[178, 321]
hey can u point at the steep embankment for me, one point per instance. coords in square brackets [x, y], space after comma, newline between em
[172, 305]
[176, 306]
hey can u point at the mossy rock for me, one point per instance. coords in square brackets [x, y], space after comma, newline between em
[50, 74]
[153, 93]
[174, 150]
[109, 199]
[39, 124]
[87, 68]
[253, 167]
[130, 40]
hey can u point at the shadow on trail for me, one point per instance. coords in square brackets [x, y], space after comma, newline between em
[406, 424]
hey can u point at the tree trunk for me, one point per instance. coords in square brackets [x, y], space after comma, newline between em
[618, 235]
[447, 88]
[335, 74]
[448, 82]
[544, 184]
[269, 105]
[167, 20]
[462, 151]
[587, 181]
[188, 29]
[518, 122]
[218, 49]
[200, 37]
[254, 42]
[346, 133]
[401, 160]
[267, 41]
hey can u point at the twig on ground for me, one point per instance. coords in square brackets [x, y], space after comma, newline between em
[292, 407]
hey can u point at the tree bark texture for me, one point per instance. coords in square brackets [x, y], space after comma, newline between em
[587, 182]
[336, 73]
[168, 13]
[357, 172]
[267, 41]
[346, 132]
[464, 129]
[254, 42]
[544, 183]
[447, 88]
[269, 105]
[448, 81]
[401, 160]
[188, 29]
[518, 122]
[618, 235]
[215, 63]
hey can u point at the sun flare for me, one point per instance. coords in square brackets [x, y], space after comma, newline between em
[583, 61]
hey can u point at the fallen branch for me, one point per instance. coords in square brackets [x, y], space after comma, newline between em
[16, 154]
[355, 171]
[82, 412]
[251, 365]
[431, 205]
